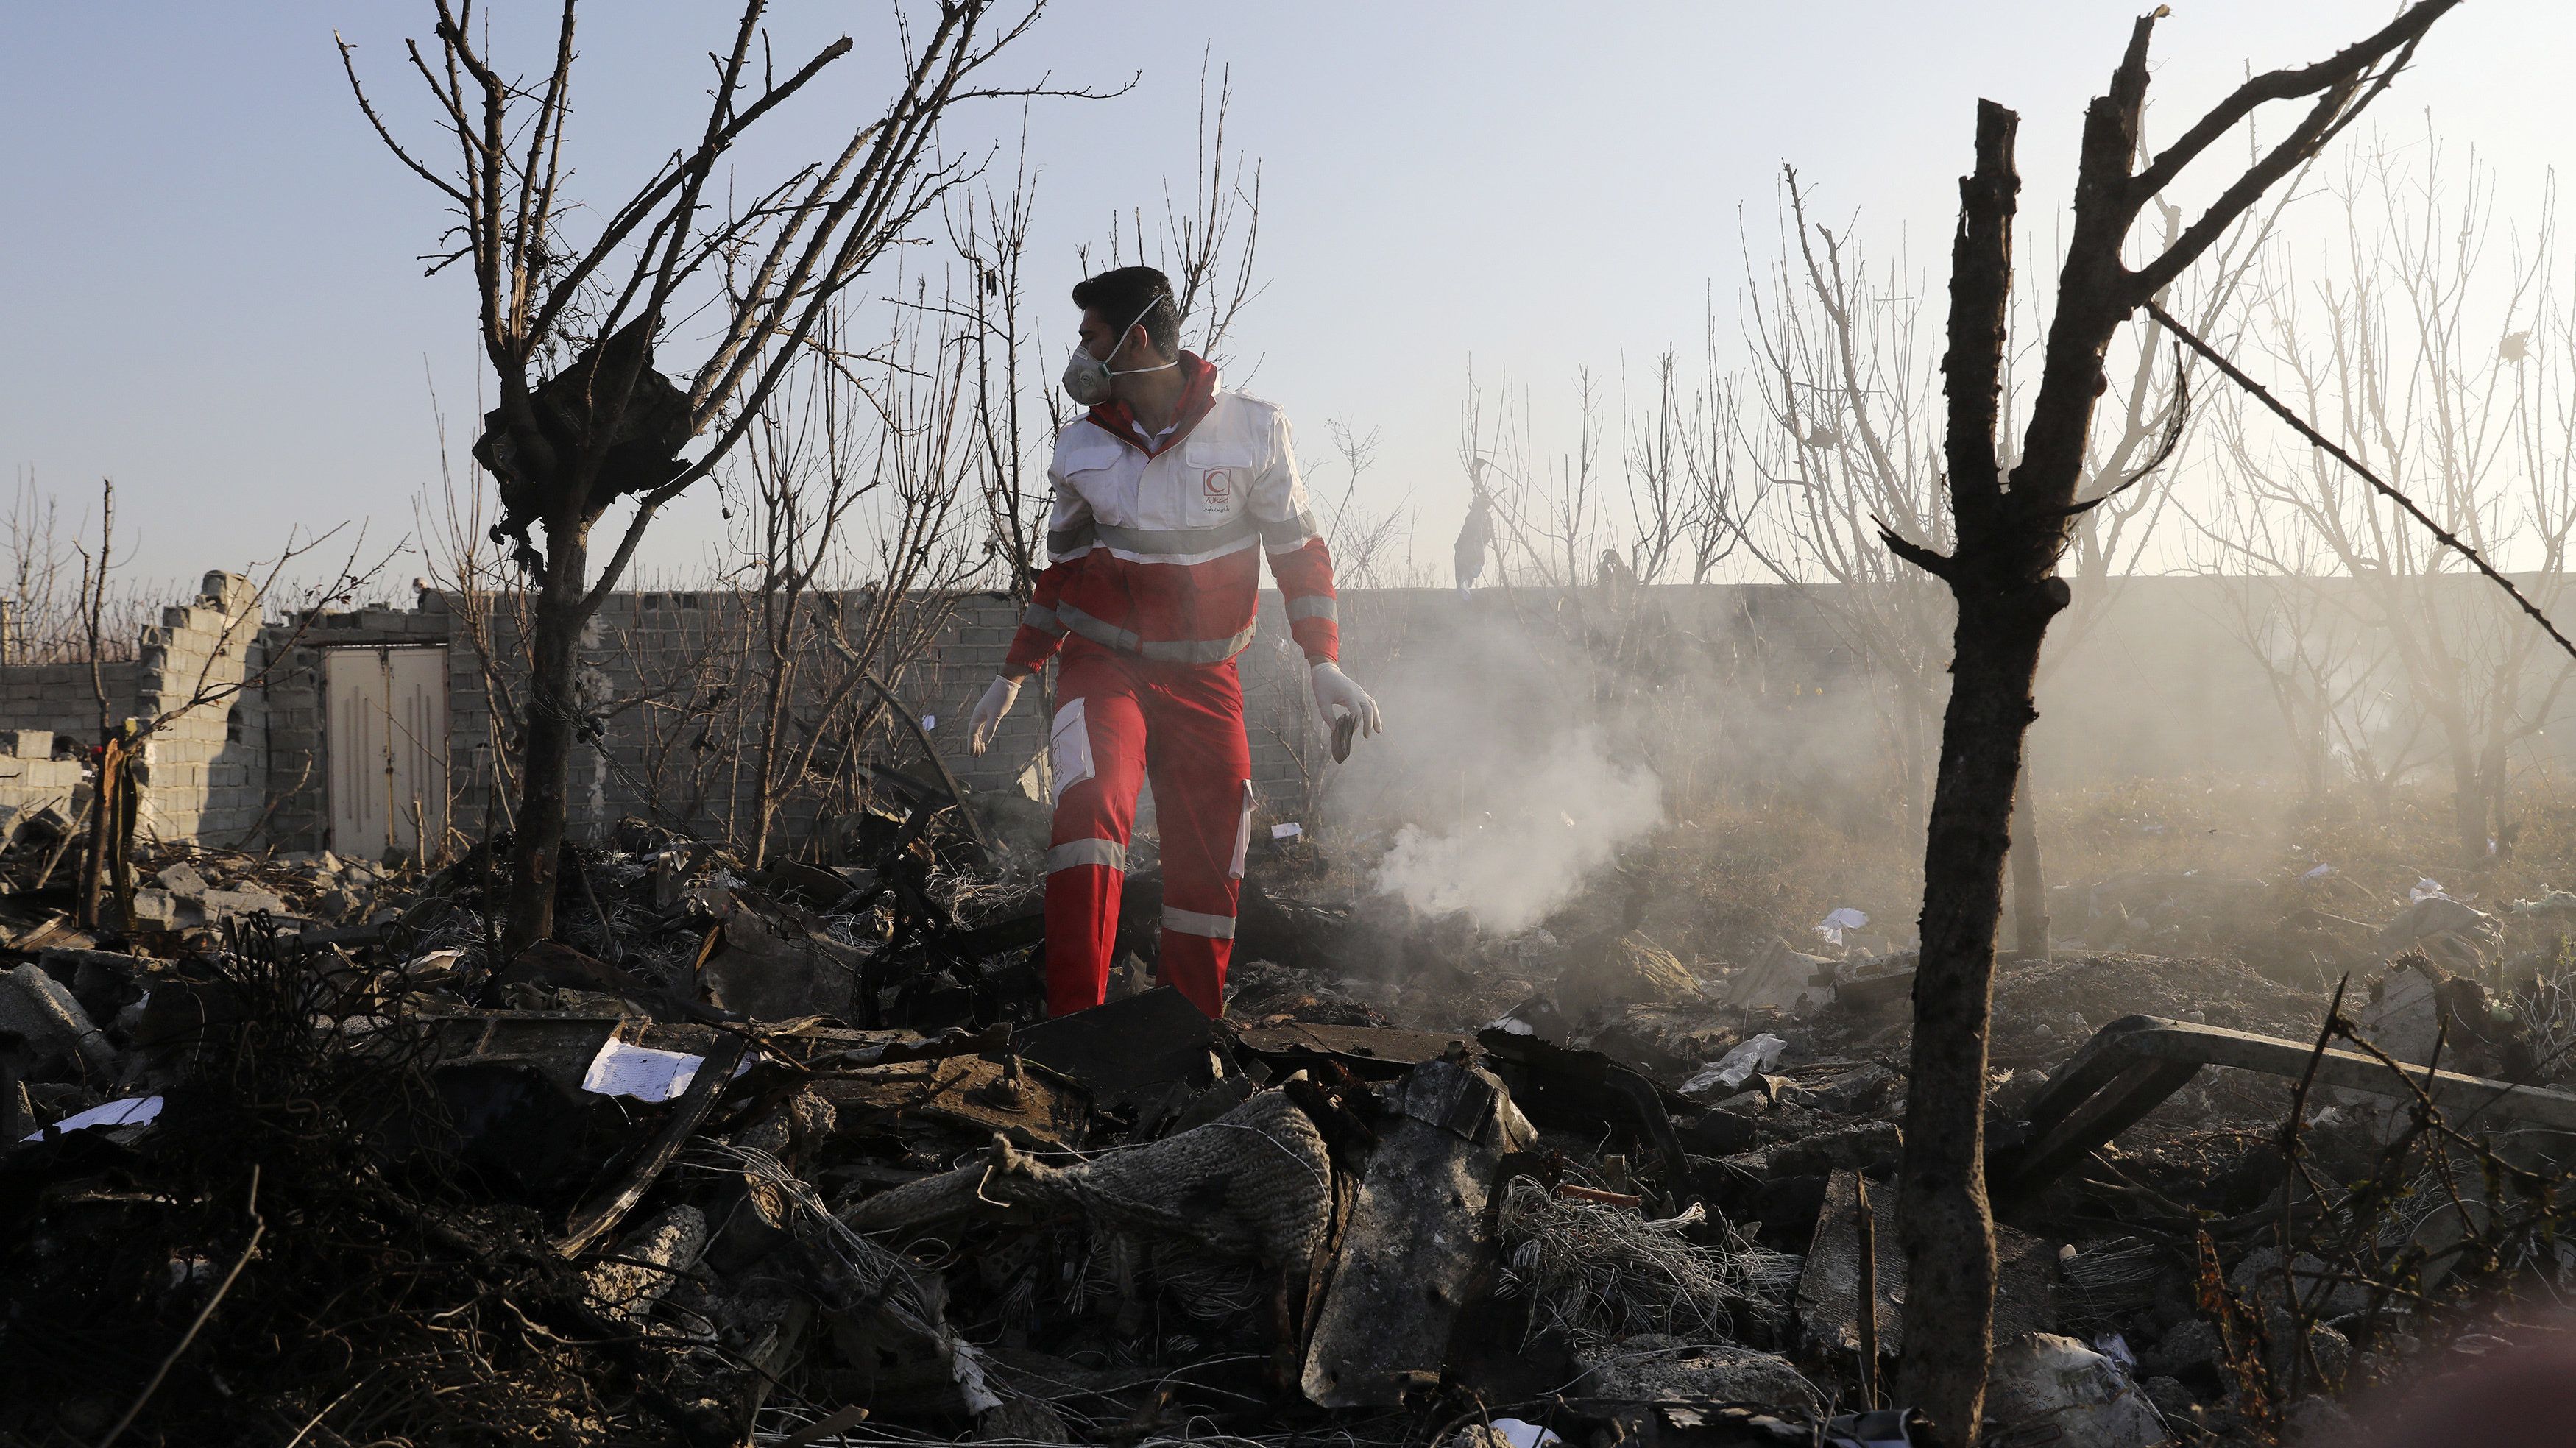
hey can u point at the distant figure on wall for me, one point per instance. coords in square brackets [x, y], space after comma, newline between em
[1476, 536]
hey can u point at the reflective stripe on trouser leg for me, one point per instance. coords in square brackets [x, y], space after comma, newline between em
[1191, 922]
[1076, 853]
[1087, 854]
[1201, 766]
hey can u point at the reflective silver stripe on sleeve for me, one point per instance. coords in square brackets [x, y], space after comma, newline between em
[1044, 620]
[1076, 853]
[1064, 541]
[1191, 922]
[1177, 540]
[1281, 536]
[1108, 635]
[1316, 606]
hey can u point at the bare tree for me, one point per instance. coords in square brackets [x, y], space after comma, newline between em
[488, 606]
[895, 451]
[1206, 245]
[241, 662]
[572, 327]
[990, 234]
[2423, 358]
[1550, 508]
[2010, 532]
[2328, 672]
[1843, 439]
[1685, 489]
[806, 463]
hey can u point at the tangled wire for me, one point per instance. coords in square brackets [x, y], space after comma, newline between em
[1598, 1273]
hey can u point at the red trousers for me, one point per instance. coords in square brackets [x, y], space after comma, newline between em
[1120, 720]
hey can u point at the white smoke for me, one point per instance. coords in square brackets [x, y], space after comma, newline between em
[1550, 820]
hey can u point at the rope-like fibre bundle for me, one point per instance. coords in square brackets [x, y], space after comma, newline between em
[1600, 1273]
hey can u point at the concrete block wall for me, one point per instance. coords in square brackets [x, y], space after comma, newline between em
[664, 654]
[59, 698]
[2159, 688]
[31, 777]
[204, 771]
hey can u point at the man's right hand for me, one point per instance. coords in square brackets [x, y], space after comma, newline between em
[989, 711]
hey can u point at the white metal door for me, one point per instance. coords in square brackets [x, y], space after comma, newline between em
[388, 744]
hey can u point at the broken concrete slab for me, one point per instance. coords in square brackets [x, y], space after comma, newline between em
[44, 1014]
[183, 881]
[1416, 1239]
[241, 901]
[1782, 980]
[2404, 1014]
[27, 743]
[1828, 1300]
[158, 910]
[104, 981]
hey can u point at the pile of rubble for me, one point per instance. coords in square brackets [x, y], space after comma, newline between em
[789, 1155]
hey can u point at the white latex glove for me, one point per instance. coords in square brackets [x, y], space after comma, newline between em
[1336, 695]
[989, 711]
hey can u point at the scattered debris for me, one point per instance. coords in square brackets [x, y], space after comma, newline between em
[791, 1152]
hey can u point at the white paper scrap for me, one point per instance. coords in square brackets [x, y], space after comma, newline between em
[1843, 918]
[1288, 831]
[2319, 873]
[1524, 1435]
[2425, 889]
[642, 1072]
[1758, 1054]
[929, 721]
[134, 1111]
[433, 963]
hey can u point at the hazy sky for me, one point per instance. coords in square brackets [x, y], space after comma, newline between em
[209, 288]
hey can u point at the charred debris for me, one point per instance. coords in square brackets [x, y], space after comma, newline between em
[791, 1157]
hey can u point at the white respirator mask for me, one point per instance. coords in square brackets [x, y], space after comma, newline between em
[1087, 379]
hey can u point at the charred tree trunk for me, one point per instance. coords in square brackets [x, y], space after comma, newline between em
[1945, 1222]
[2029, 873]
[104, 811]
[553, 728]
[2003, 573]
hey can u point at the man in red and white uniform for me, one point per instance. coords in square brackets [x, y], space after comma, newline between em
[1167, 493]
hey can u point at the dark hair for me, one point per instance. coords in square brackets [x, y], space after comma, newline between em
[1120, 294]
